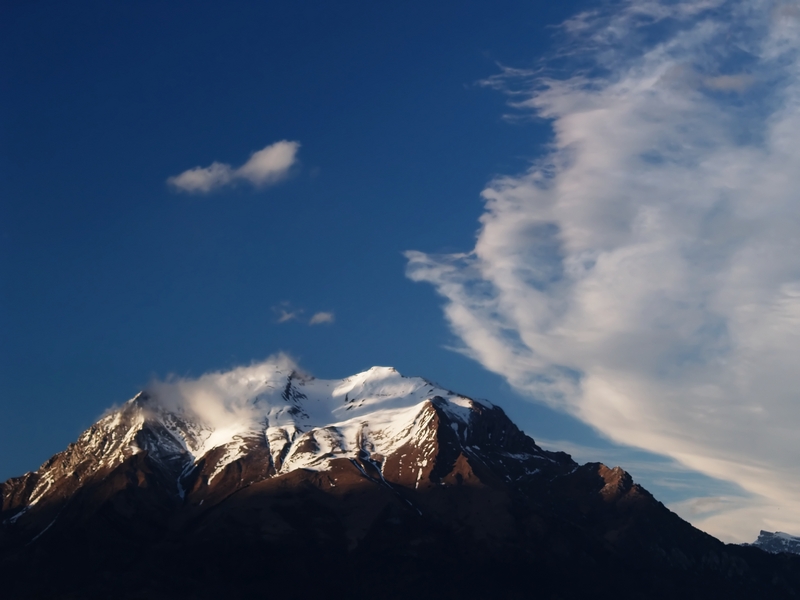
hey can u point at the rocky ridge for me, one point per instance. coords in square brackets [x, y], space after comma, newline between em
[378, 421]
[777, 542]
[254, 480]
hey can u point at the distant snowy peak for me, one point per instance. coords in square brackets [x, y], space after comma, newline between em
[778, 542]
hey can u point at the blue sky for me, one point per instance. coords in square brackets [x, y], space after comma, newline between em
[110, 277]
[597, 194]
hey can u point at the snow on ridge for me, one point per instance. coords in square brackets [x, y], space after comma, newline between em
[305, 422]
[274, 399]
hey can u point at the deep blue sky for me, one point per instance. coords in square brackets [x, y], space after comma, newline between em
[109, 278]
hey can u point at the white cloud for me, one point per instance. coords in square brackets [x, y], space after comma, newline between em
[286, 312]
[222, 399]
[644, 275]
[265, 167]
[321, 317]
[202, 180]
[288, 315]
[270, 164]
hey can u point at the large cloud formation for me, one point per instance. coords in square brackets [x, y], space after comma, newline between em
[265, 167]
[644, 273]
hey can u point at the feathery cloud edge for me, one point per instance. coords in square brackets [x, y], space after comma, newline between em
[644, 274]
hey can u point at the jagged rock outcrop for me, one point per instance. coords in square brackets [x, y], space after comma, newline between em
[777, 542]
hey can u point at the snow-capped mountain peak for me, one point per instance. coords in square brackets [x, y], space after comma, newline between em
[283, 405]
[225, 430]
[249, 480]
[777, 542]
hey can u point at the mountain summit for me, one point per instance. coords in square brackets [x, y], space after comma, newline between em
[777, 542]
[206, 439]
[247, 483]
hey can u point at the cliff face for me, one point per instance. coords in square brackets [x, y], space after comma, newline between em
[374, 484]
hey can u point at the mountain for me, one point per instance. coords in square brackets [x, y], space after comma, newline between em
[266, 481]
[777, 542]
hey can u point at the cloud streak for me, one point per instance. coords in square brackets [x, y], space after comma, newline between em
[285, 312]
[265, 167]
[644, 273]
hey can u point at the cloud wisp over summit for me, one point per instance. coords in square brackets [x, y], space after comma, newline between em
[644, 273]
[221, 398]
[264, 167]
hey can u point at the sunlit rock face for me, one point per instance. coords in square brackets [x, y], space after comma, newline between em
[266, 479]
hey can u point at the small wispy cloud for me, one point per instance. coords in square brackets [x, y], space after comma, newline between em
[286, 315]
[321, 317]
[285, 312]
[265, 167]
